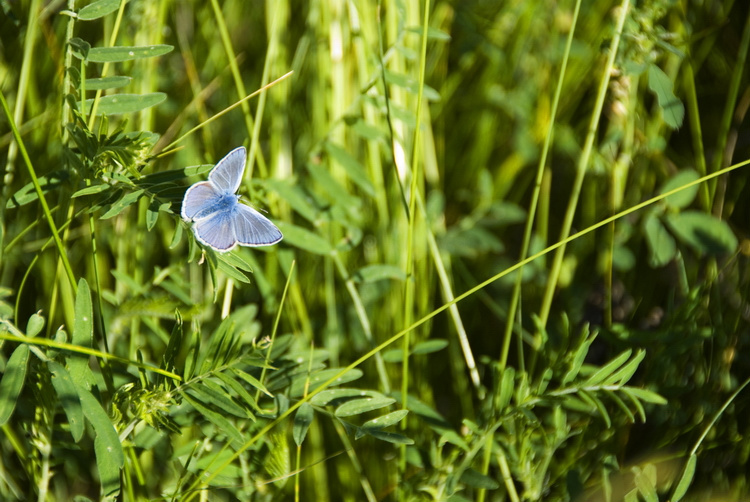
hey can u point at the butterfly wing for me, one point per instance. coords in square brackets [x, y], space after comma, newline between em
[217, 230]
[253, 229]
[226, 176]
[199, 200]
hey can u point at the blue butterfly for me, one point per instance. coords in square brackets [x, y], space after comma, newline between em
[220, 221]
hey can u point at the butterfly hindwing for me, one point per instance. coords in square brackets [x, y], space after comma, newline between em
[253, 229]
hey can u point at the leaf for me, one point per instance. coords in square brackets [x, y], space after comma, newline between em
[429, 346]
[122, 53]
[432, 33]
[302, 420]
[113, 82]
[605, 371]
[476, 479]
[624, 374]
[107, 447]
[98, 9]
[221, 423]
[327, 397]
[210, 393]
[331, 189]
[506, 388]
[293, 195]
[232, 271]
[390, 437]
[83, 335]
[645, 480]
[317, 379]
[672, 108]
[353, 168]
[122, 203]
[360, 406]
[115, 104]
[35, 325]
[410, 85]
[686, 479]
[661, 245]
[683, 198]
[645, 395]
[373, 273]
[92, 190]
[305, 239]
[386, 420]
[703, 232]
[12, 381]
[68, 396]
[27, 193]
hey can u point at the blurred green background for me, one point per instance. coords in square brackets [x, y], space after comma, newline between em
[614, 368]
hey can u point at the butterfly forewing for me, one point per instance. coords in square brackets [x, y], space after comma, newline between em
[227, 174]
[198, 199]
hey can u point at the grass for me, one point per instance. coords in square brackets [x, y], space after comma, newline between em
[514, 263]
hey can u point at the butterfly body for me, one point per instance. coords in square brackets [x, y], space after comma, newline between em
[219, 219]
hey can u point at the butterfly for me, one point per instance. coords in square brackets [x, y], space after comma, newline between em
[220, 220]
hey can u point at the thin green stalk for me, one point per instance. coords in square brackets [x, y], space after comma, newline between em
[223, 112]
[515, 297]
[416, 182]
[583, 163]
[239, 84]
[40, 194]
[729, 108]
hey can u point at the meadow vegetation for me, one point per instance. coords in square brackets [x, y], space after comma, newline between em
[514, 265]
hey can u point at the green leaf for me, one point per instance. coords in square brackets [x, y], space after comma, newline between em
[35, 325]
[624, 374]
[98, 9]
[304, 239]
[12, 381]
[685, 197]
[359, 406]
[254, 382]
[686, 479]
[209, 393]
[373, 273]
[353, 168]
[390, 437]
[661, 245]
[123, 53]
[605, 371]
[113, 82]
[476, 479]
[221, 423]
[232, 271]
[302, 420]
[92, 190]
[429, 346]
[107, 447]
[645, 395]
[27, 193]
[68, 396]
[410, 85]
[672, 108]
[386, 420]
[83, 335]
[123, 103]
[645, 480]
[297, 388]
[506, 388]
[327, 397]
[331, 189]
[703, 232]
[127, 200]
[432, 33]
